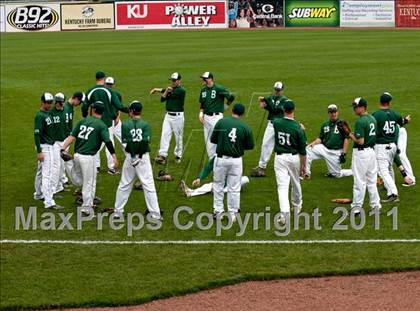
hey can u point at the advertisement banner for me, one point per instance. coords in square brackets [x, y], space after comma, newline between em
[170, 14]
[2, 19]
[87, 16]
[367, 13]
[408, 13]
[309, 13]
[33, 17]
[256, 13]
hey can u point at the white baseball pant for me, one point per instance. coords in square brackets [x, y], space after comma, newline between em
[209, 123]
[402, 146]
[365, 171]
[287, 169]
[118, 133]
[62, 178]
[144, 172]
[172, 125]
[208, 187]
[385, 154]
[47, 175]
[331, 157]
[227, 171]
[84, 175]
[267, 145]
[109, 160]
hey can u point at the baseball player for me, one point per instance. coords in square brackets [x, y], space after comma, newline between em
[58, 116]
[112, 104]
[110, 83]
[232, 137]
[136, 134]
[208, 187]
[331, 146]
[290, 160]
[89, 134]
[274, 105]
[387, 121]
[173, 123]
[402, 147]
[212, 104]
[364, 164]
[48, 159]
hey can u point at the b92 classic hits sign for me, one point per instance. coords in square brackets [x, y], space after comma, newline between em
[33, 17]
[170, 14]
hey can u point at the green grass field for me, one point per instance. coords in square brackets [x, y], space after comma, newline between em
[318, 67]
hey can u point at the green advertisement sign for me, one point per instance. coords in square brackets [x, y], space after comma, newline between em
[312, 13]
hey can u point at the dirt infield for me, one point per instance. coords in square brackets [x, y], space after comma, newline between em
[393, 291]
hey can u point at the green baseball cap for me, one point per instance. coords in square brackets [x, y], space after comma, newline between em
[238, 109]
[288, 105]
[80, 96]
[135, 106]
[359, 102]
[100, 75]
[175, 76]
[98, 107]
[207, 75]
[47, 98]
[385, 98]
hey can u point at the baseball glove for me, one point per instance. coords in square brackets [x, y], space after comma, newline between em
[342, 200]
[65, 155]
[164, 176]
[344, 128]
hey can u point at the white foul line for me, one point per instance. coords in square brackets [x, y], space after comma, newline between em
[195, 242]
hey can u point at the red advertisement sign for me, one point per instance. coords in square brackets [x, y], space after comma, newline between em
[408, 13]
[170, 14]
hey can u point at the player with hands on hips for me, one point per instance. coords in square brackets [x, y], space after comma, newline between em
[364, 164]
[274, 105]
[232, 137]
[290, 160]
[331, 145]
[136, 135]
[89, 134]
[174, 98]
[212, 105]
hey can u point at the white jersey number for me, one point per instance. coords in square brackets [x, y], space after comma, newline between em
[389, 127]
[232, 135]
[284, 138]
[372, 129]
[136, 134]
[85, 132]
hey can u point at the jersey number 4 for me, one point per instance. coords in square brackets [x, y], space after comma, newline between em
[85, 132]
[284, 138]
[136, 134]
[232, 135]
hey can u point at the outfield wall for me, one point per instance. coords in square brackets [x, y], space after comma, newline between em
[207, 14]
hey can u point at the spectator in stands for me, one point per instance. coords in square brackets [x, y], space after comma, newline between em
[242, 20]
[233, 11]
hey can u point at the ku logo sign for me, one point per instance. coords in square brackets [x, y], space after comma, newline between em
[312, 12]
[137, 11]
[32, 17]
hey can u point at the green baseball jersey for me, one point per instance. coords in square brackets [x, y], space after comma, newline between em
[207, 169]
[59, 126]
[289, 136]
[68, 114]
[174, 100]
[232, 137]
[110, 100]
[387, 125]
[274, 106]
[118, 94]
[212, 99]
[43, 129]
[90, 133]
[365, 127]
[330, 136]
[136, 134]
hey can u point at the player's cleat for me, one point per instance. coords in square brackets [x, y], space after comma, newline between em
[409, 184]
[160, 160]
[98, 169]
[154, 216]
[177, 160]
[138, 186]
[56, 207]
[218, 215]
[258, 172]
[113, 171]
[108, 210]
[329, 175]
[282, 220]
[38, 197]
[185, 189]
[96, 200]
[393, 198]
[77, 192]
[118, 215]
